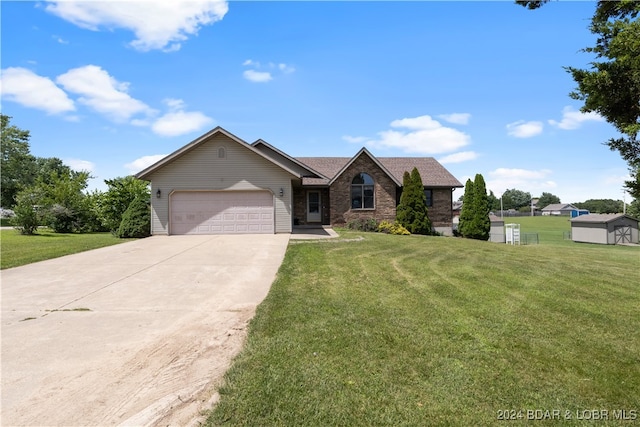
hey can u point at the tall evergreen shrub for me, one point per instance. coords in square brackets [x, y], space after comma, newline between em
[466, 214]
[412, 210]
[136, 220]
[481, 223]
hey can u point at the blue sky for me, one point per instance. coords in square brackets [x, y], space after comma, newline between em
[111, 87]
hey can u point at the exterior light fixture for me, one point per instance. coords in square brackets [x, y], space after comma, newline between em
[158, 193]
[281, 191]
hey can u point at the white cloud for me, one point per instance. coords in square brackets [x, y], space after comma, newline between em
[156, 24]
[101, 92]
[425, 136]
[257, 76]
[572, 119]
[264, 76]
[287, 69]
[143, 162]
[532, 181]
[31, 90]
[179, 122]
[61, 40]
[354, 139]
[80, 165]
[522, 129]
[460, 157]
[456, 118]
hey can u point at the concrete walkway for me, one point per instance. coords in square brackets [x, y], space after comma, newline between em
[134, 334]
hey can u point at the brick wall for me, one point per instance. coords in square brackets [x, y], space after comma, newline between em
[300, 205]
[340, 198]
[440, 212]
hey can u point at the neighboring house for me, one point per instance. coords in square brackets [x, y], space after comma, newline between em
[559, 209]
[219, 184]
[606, 229]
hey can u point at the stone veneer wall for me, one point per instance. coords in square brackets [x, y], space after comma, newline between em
[385, 194]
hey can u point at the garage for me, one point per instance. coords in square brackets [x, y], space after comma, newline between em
[221, 212]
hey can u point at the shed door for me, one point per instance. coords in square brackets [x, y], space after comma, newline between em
[622, 234]
[222, 212]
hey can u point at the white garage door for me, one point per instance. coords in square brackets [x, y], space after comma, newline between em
[222, 212]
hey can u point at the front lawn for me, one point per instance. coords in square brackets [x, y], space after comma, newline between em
[19, 250]
[412, 330]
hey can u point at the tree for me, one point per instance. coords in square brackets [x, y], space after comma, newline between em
[633, 209]
[515, 199]
[611, 87]
[112, 204]
[601, 205]
[466, 214]
[17, 163]
[547, 199]
[63, 201]
[481, 225]
[20, 169]
[412, 210]
[494, 202]
[27, 216]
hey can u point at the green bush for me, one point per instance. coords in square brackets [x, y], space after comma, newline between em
[363, 224]
[412, 210]
[26, 219]
[392, 228]
[136, 220]
[61, 219]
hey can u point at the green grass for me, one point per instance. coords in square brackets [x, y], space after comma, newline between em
[412, 330]
[19, 250]
[550, 229]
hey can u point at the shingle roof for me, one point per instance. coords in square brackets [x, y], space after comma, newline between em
[600, 218]
[559, 207]
[433, 174]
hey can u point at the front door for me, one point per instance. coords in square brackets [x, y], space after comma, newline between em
[313, 206]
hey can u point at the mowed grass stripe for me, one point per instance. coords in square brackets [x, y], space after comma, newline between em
[411, 330]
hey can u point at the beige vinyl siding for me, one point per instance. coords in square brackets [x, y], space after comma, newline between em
[282, 160]
[202, 169]
[589, 233]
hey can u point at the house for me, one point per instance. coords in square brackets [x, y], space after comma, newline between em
[559, 209]
[219, 184]
[606, 229]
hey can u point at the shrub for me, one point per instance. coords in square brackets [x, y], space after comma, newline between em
[363, 224]
[27, 218]
[392, 228]
[412, 210]
[136, 220]
[61, 219]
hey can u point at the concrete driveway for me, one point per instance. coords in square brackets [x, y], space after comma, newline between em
[136, 334]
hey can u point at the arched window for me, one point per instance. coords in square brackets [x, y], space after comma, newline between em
[362, 190]
[221, 153]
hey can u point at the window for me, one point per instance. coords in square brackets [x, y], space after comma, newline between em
[428, 194]
[362, 188]
[221, 153]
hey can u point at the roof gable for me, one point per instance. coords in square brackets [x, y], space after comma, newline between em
[145, 173]
[433, 174]
[364, 152]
